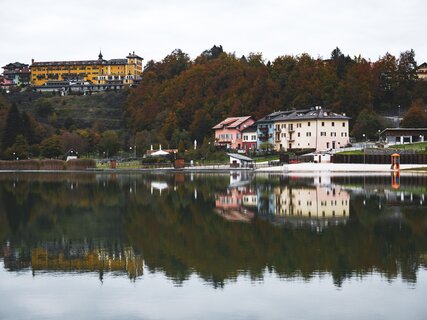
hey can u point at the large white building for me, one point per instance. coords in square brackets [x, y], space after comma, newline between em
[314, 128]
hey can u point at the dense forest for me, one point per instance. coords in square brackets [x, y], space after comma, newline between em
[180, 99]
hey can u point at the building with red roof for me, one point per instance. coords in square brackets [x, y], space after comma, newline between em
[228, 133]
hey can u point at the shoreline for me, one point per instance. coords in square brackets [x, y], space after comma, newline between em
[287, 168]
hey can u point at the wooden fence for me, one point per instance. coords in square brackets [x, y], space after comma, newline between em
[379, 158]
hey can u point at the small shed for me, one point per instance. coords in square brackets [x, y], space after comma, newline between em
[404, 135]
[240, 161]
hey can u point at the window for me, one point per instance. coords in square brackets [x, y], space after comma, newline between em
[308, 134]
[333, 134]
[308, 124]
[323, 134]
[333, 124]
[343, 124]
[323, 124]
[299, 134]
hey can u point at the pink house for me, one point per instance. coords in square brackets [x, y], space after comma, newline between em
[5, 83]
[228, 133]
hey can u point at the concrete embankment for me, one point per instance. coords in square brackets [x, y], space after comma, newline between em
[337, 167]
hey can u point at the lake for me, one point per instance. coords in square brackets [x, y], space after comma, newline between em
[212, 246]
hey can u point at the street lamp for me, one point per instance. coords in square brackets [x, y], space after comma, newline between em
[379, 135]
[364, 145]
[398, 116]
[134, 151]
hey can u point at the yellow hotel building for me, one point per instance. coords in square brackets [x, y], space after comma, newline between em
[98, 72]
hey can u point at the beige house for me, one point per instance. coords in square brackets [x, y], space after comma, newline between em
[422, 71]
[314, 128]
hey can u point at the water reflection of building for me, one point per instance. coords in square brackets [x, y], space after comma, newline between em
[236, 203]
[240, 199]
[74, 258]
[158, 185]
[316, 206]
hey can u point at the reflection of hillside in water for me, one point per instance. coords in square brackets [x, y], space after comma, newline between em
[170, 221]
[74, 257]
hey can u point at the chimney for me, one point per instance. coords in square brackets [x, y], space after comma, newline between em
[32, 61]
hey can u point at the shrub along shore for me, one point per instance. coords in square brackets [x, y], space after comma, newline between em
[48, 164]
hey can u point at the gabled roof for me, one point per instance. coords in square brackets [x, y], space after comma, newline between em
[117, 61]
[391, 130]
[273, 116]
[15, 65]
[240, 157]
[133, 55]
[422, 65]
[316, 113]
[231, 122]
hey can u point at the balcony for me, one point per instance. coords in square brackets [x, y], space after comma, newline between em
[223, 141]
[263, 137]
[291, 129]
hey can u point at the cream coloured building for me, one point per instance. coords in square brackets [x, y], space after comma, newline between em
[314, 128]
[311, 129]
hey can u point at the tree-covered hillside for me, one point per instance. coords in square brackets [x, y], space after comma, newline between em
[180, 100]
[179, 97]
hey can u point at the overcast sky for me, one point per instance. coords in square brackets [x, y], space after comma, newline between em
[49, 30]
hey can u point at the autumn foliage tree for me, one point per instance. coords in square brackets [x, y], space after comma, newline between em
[180, 94]
[416, 117]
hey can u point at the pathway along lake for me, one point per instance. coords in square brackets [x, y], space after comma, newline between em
[212, 246]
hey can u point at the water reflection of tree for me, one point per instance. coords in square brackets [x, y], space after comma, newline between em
[178, 232]
[178, 239]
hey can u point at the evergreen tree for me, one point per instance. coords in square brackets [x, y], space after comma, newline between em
[27, 128]
[12, 127]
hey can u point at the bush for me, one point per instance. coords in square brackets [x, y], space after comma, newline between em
[80, 164]
[155, 160]
[77, 164]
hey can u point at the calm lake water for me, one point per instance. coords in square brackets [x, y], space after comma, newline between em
[212, 246]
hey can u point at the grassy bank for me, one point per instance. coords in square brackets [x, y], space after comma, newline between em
[48, 164]
[419, 146]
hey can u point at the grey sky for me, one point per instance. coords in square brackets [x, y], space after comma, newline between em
[72, 30]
